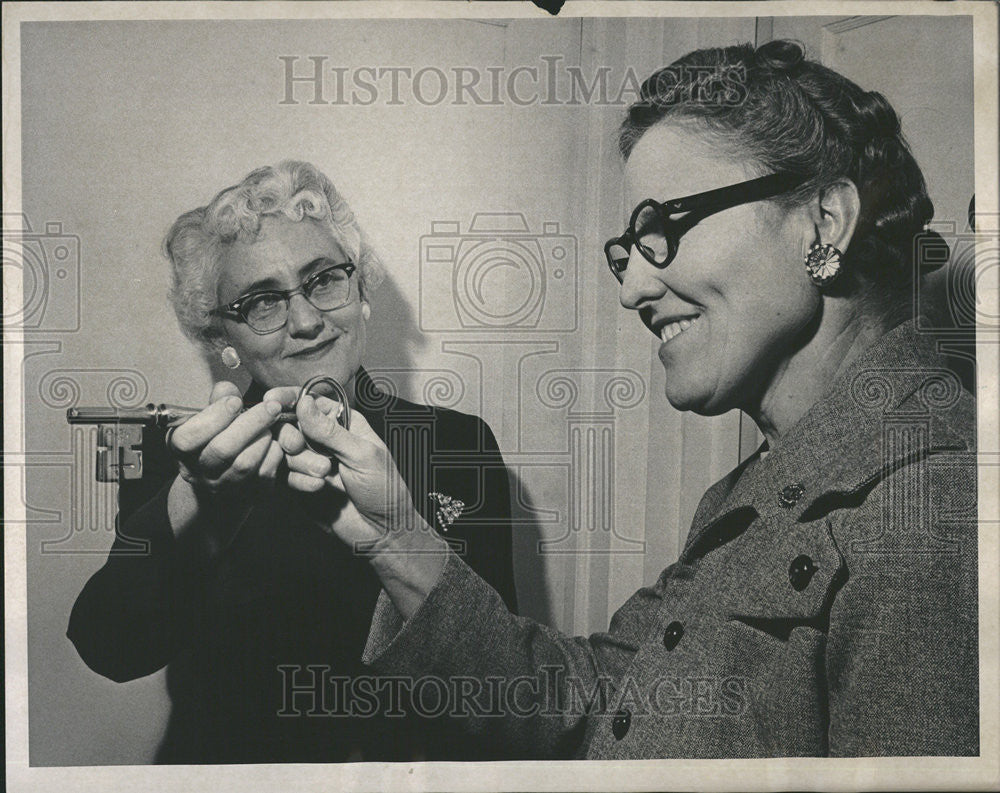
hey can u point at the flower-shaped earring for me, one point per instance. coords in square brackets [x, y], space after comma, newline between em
[823, 263]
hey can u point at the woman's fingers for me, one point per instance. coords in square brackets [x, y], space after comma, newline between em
[305, 483]
[242, 432]
[361, 428]
[201, 428]
[288, 396]
[285, 394]
[319, 427]
[300, 458]
[329, 407]
[310, 463]
[272, 461]
[291, 439]
[224, 445]
[224, 389]
[324, 430]
[249, 460]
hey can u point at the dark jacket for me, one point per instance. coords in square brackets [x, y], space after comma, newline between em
[825, 602]
[257, 641]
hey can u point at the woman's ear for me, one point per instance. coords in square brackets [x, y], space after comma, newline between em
[366, 310]
[835, 212]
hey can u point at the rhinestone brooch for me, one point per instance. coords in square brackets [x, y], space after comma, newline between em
[448, 509]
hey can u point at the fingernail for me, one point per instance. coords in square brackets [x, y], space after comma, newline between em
[272, 407]
[234, 404]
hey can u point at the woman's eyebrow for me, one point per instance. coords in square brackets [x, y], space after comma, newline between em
[270, 283]
[307, 269]
[261, 284]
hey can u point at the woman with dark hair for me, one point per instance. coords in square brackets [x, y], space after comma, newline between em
[825, 601]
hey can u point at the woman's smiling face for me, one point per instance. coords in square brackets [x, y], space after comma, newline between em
[313, 342]
[731, 307]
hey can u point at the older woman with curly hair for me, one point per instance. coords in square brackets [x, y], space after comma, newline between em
[257, 612]
[825, 600]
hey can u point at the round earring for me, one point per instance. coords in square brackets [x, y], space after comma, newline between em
[230, 358]
[823, 263]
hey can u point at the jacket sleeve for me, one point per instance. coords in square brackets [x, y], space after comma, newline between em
[902, 650]
[136, 611]
[487, 526]
[513, 682]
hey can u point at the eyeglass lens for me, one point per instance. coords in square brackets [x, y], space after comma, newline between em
[618, 254]
[326, 291]
[651, 234]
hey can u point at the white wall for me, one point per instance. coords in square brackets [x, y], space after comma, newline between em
[125, 125]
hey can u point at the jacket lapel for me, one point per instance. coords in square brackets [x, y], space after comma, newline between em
[875, 418]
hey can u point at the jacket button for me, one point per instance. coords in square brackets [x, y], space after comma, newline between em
[790, 495]
[800, 572]
[672, 635]
[620, 724]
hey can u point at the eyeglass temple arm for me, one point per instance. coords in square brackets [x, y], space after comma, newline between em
[754, 190]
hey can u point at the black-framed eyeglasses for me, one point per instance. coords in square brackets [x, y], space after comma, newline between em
[656, 228]
[267, 311]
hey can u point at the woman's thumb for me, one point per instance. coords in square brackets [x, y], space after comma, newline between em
[361, 428]
[322, 428]
[359, 425]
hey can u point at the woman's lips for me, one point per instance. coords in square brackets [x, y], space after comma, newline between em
[315, 351]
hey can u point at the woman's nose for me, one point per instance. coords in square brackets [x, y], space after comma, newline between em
[642, 282]
[304, 319]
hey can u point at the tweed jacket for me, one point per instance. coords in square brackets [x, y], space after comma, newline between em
[253, 638]
[824, 603]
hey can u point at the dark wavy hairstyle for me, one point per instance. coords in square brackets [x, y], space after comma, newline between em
[791, 114]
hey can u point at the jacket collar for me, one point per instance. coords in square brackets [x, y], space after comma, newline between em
[840, 446]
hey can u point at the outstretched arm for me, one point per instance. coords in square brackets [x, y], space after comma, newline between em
[141, 607]
[515, 680]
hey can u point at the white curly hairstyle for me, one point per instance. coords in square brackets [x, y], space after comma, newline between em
[194, 243]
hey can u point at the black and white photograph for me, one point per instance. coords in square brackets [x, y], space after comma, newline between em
[450, 395]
